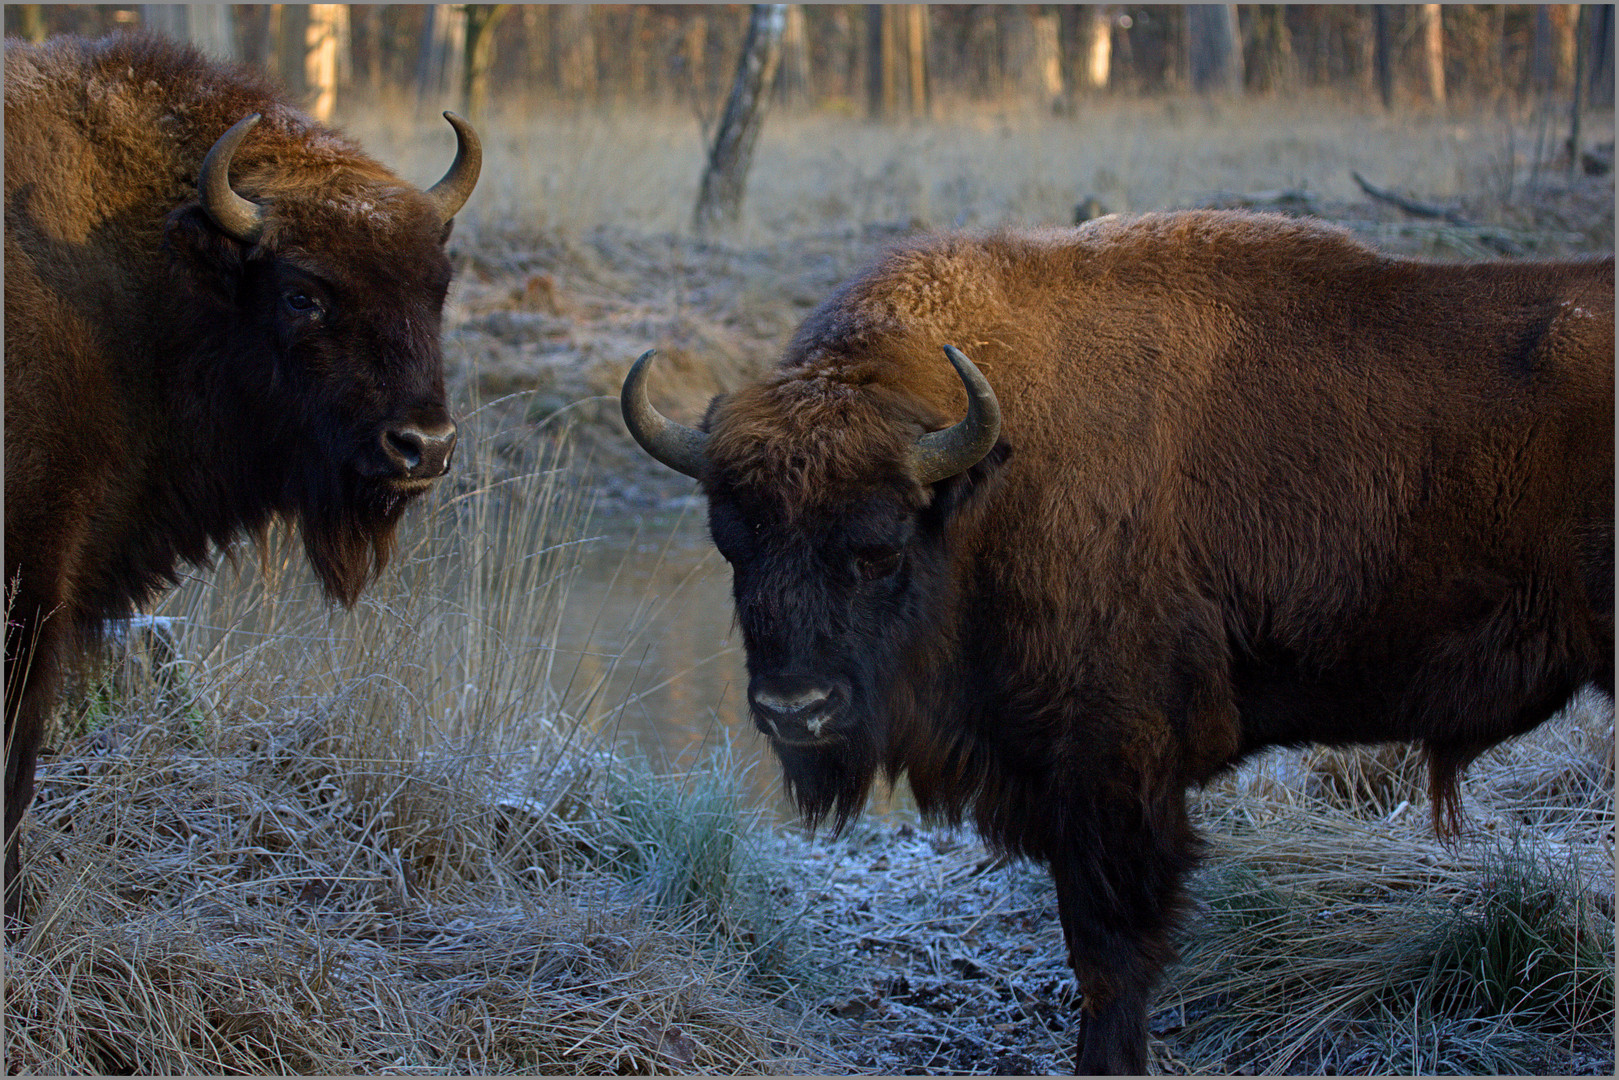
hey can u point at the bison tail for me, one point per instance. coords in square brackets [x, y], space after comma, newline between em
[1445, 764]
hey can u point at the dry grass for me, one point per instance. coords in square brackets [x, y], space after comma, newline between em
[401, 840]
[571, 171]
[1338, 934]
[405, 839]
[396, 840]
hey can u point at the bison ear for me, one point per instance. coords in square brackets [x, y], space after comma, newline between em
[954, 492]
[449, 227]
[202, 253]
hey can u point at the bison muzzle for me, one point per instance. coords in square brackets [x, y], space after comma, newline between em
[1220, 481]
[218, 314]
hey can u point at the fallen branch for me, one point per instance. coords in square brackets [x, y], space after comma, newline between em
[1290, 199]
[1411, 206]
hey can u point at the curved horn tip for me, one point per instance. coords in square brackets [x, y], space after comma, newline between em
[681, 448]
[980, 395]
[455, 186]
[942, 454]
[237, 217]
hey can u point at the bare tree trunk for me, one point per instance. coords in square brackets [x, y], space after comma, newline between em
[32, 20]
[637, 60]
[1579, 87]
[1367, 40]
[1018, 59]
[1542, 69]
[207, 26]
[322, 36]
[1599, 50]
[694, 55]
[1048, 57]
[576, 52]
[1433, 50]
[793, 84]
[881, 62]
[345, 47]
[892, 70]
[537, 36]
[916, 45]
[719, 199]
[443, 48]
[874, 61]
[1382, 57]
[1271, 63]
[364, 46]
[1215, 48]
[480, 54]
[252, 24]
[1096, 47]
[278, 45]
[1565, 41]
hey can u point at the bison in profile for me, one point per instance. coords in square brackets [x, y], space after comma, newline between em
[1220, 481]
[218, 313]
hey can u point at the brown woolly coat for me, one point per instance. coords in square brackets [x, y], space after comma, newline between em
[162, 396]
[1246, 455]
[1256, 484]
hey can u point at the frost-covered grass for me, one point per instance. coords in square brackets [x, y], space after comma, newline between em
[409, 837]
[396, 839]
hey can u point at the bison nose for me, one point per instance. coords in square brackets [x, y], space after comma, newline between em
[797, 711]
[419, 452]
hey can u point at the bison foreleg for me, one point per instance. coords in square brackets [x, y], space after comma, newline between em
[1118, 893]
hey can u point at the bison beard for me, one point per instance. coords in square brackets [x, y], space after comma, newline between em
[826, 781]
[1259, 485]
[348, 536]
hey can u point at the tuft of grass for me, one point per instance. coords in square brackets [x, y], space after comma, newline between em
[1367, 781]
[1524, 943]
[1344, 949]
[688, 845]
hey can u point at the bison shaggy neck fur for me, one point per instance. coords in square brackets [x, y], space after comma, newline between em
[1256, 484]
[173, 385]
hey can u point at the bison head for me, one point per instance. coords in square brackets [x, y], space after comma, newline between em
[831, 500]
[313, 315]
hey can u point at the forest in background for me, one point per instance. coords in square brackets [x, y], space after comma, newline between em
[885, 61]
[503, 817]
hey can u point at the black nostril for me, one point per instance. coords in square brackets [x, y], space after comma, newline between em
[797, 710]
[418, 454]
[405, 448]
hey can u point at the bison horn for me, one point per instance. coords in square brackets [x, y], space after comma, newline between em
[681, 448]
[452, 190]
[941, 454]
[236, 217]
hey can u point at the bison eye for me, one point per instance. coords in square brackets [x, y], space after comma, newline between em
[301, 303]
[878, 563]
